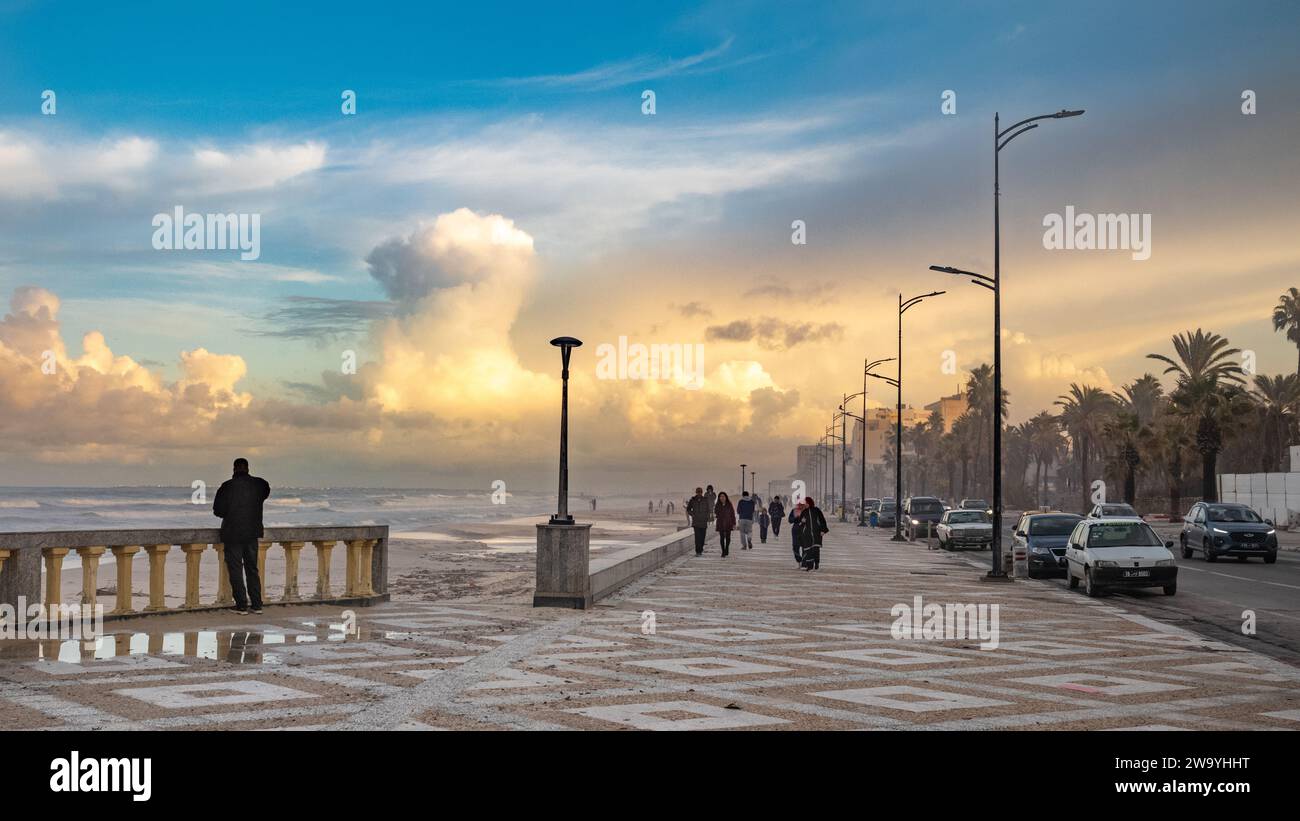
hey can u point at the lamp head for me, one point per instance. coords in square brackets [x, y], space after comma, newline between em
[566, 342]
[1066, 113]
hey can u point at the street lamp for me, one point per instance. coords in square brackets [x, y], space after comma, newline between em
[862, 491]
[742, 478]
[566, 344]
[753, 483]
[830, 461]
[994, 283]
[903, 305]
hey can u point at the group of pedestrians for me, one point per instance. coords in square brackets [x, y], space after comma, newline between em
[807, 523]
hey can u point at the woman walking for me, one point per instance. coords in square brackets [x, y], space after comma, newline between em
[763, 521]
[795, 524]
[812, 524]
[726, 517]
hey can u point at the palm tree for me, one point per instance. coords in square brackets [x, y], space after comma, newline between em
[1208, 394]
[1286, 316]
[1130, 428]
[979, 403]
[1173, 448]
[1083, 413]
[1276, 404]
[1048, 446]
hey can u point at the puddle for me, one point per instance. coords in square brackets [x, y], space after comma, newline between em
[231, 646]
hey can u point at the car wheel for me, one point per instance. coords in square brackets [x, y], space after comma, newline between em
[1270, 558]
[1187, 551]
[1089, 586]
[1171, 589]
[1209, 554]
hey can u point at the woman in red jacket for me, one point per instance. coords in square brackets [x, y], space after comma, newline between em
[726, 517]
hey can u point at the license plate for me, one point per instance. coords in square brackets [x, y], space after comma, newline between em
[1136, 574]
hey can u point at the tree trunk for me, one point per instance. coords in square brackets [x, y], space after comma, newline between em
[1209, 487]
[1085, 487]
[1130, 485]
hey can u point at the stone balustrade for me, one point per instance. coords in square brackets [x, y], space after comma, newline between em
[27, 558]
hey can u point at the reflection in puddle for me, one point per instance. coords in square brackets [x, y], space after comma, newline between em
[231, 646]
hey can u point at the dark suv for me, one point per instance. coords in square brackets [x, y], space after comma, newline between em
[921, 514]
[1227, 529]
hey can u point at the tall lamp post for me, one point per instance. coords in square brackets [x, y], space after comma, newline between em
[994, 284]
[753, 483]
[566, 344]
[903, 305]
[742, 477]
[862, 490]
[563, 546]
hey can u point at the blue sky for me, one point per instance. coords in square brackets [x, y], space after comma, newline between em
[766, 112]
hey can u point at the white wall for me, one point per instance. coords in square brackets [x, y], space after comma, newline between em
[1275, 495]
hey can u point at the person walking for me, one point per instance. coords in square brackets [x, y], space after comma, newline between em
[777, 511]
[812, 526]
[239, 505]
[745, 517]
[763, 521]
[712, 499]
[725, 515]
[698, 514]
[795, 525]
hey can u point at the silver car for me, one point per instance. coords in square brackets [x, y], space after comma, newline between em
[965, 528]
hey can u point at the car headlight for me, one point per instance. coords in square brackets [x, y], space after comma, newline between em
[1164, 562]
[1104, 563]
[1040, 550]
[915, 522]
[1217, 530]
[1271, 532]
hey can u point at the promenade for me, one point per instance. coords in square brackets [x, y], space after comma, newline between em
[747, 642]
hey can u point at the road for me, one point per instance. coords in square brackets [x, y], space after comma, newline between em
[1212, 598]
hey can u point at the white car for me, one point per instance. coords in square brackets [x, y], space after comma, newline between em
[964, 528]
[1119, 552]
[1112, 510]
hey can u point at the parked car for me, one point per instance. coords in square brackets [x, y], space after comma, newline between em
[1110, 510]
[921, 514]
[1227, 529]
[886, 517]
[976, 504]
[964, 528]
[1107, 553]
[1044, 537]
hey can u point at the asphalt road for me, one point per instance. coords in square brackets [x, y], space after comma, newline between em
[1212, 598]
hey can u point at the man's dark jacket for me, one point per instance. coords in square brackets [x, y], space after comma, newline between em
[239, 504]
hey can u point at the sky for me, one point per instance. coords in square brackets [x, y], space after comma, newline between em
[502, 182]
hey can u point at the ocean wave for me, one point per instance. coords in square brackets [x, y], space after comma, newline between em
[84, 502]
[19, 504]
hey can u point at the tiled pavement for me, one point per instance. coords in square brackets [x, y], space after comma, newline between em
[745, 642]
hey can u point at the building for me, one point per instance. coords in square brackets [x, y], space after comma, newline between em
[950, 408]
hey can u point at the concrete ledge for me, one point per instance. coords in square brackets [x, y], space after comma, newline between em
[621, 567]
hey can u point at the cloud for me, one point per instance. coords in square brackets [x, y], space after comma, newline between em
[774, 334]
[624, 72]
[693, 309]
[321, 319]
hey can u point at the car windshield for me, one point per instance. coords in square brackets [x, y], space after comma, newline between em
[1117, 510]
[1225, 513]
[1052, 525]
[975, 504]
[925, 506]
[964, 517]
[1123, 534]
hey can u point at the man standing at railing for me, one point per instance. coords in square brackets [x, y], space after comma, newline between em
[239, 504]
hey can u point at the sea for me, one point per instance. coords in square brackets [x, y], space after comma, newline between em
[25, 509]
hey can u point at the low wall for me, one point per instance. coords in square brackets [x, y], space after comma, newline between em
[619, 568]
[1274, 496]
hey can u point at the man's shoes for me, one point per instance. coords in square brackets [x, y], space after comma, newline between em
[257, 611]
[241, 611]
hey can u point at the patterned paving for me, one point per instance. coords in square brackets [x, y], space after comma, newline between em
[749, 642]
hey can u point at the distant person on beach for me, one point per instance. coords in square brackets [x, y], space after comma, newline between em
[698, 513]
[726, 516]
[763, 521]
[795, 525]
[712, 499]
[239, 504]
[812, 526]
[651, 508]
[593, 502]
[777, 511]
[745, 515]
